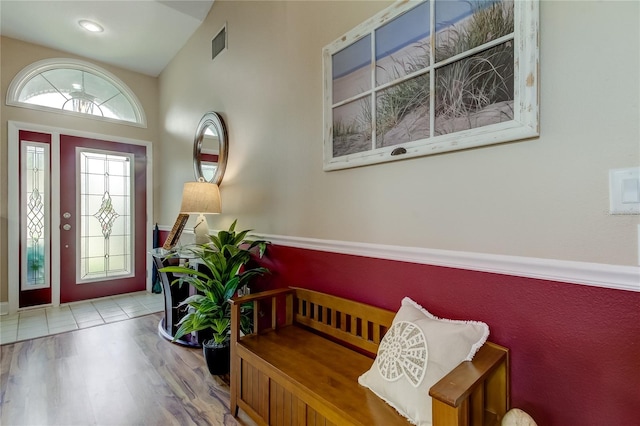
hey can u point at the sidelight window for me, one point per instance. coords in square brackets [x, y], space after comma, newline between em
[35, 210]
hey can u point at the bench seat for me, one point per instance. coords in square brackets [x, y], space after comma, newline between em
[310, 367]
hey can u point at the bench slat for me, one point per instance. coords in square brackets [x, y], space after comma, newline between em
[357, 320]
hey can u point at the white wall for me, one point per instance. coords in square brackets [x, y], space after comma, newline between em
[544, 198]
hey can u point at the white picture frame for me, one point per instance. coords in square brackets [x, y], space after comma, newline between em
[392, 91]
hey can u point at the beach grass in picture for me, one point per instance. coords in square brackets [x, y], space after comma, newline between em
[476, 90]
[402, 113]
[460, 29]
[352, 128]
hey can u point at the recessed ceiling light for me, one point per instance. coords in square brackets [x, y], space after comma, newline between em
[90, 26]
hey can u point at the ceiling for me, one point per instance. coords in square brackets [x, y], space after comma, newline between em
[141, 36]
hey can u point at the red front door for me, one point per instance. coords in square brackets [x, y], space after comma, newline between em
[102, 218]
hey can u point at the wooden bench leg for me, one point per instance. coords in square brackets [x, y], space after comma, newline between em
[235, 375]
[235, 386]
[444, 414]
[233, 403]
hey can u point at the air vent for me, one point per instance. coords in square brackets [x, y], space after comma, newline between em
[219, 43]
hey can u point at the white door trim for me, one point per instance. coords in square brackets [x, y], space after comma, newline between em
[13, 235]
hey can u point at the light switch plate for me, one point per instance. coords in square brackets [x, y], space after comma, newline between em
[624, 191]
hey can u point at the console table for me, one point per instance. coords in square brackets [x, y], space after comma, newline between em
[174, 295]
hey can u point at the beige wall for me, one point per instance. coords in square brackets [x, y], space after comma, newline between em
[544, 198]
[14, 56]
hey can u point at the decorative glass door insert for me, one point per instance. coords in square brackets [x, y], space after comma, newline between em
[35, 208]
[106, 209]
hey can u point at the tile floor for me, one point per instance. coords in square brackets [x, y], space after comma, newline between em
[40, 322]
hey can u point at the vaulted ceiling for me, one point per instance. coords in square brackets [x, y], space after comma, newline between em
[140, 35]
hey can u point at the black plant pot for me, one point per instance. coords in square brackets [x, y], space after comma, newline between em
[218, 357]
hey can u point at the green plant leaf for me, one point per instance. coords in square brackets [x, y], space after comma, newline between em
[221, 270]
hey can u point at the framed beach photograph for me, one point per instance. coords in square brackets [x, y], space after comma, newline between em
[421, 78]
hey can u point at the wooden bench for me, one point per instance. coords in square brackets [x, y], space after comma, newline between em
[304, 369]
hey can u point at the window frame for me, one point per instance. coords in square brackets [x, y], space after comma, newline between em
[29, 72]
[525, 122]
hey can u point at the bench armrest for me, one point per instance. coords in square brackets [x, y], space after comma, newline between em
[485, 378]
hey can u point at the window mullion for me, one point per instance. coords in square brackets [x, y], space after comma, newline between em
[52, 85]
[374, 124]
[107, 100]
[403, 78]
[432, 76]
[353, 98]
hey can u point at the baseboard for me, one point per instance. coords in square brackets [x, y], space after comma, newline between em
[618, 277]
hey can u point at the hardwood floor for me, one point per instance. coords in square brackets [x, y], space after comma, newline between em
[122, 373]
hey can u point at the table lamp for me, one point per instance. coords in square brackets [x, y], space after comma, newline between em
[201, 198]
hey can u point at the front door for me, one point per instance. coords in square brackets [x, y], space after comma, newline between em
[102, 217]
[82, 218]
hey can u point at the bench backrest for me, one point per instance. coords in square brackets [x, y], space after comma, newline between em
[483, 383]
[354, 323]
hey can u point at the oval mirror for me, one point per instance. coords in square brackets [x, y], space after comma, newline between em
[210, 148]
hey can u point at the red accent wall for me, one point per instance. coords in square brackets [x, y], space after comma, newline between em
[575, 350]
[162, 236]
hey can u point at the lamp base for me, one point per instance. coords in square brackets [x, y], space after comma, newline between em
[201, 230]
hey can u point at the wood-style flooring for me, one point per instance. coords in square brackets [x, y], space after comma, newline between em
[116, 374]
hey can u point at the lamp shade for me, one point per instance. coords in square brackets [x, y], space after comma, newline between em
[200, 198]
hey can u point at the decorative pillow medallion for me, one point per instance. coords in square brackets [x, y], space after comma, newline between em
[417, 351]
[403, 351]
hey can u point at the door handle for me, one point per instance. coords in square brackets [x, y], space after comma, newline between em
[66, 227]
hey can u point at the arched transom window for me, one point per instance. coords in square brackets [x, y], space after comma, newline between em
[75, 87]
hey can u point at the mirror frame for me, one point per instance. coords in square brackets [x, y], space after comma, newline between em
[212, 119]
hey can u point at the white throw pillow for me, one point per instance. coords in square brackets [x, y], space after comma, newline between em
[418, 350]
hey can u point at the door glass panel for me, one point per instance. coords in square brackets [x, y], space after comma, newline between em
[105, 225]
[35, 210]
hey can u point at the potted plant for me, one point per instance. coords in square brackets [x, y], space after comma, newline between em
[222, 271]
